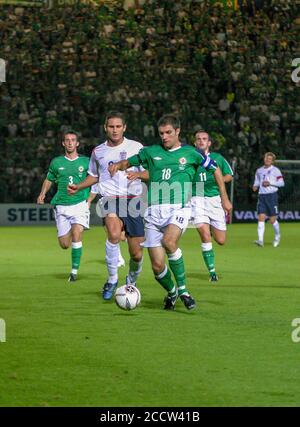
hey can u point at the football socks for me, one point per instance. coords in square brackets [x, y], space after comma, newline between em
[209, 257]
[111, 258]
[165, 280]
[135, 269]
[177, 267]
[76, 256]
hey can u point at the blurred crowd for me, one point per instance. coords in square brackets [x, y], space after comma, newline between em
[227, 71]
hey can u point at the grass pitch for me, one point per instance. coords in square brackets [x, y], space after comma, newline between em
[65, 346]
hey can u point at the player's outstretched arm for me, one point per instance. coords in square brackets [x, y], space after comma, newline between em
[227, 206]
[45, 188]
[91, 197]
[119, 166]
[143, 175]
[88, 182]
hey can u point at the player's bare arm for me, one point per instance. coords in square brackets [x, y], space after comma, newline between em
[91, 197]
[88, 182]
[227, 206]
[227, 178]
[118, 166]
[254, 188]
[45, 188]
[143, 175]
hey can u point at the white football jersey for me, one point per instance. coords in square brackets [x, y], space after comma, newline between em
[271, 174]
[118, 185]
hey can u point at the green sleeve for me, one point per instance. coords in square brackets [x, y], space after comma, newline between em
[205, 161]
[139, 159]
[225, 166]
[51, 175]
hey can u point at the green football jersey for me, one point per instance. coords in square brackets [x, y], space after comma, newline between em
[211, 188]
[171, 172]
[62, 172]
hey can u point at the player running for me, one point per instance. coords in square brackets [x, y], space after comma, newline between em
[171, 168]
[72, 214]
[118, 195]
[207, 213]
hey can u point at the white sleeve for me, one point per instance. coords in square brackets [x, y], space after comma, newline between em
[256, 180]
[94, 188]
[277, 179]
[93, 166]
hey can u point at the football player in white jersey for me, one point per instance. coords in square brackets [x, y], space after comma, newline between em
[120, 200]
[268, 179]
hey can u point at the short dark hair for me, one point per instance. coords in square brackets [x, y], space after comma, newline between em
[203, 131]
[115, 115]
[169, 119]
[71, 131]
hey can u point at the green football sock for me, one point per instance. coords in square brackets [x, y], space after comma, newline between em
[177, 266]
[209, 259]
[135, 269]
[165, 280]
[76, 255]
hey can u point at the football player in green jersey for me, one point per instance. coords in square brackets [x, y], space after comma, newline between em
[72, 214]
[171, 169]
[207, 214]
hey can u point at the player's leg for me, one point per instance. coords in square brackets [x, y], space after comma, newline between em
[65, 240]
[79, 217]
[121, 260]
[170, 240]
[114, 228]
[260, 229]
[63, 225]
[261, 211]
[273, 212]
[135, 233]
[157, 254]
[136, 258]
[163, 275]
[208, 253]
[76, 232]
[276, 227]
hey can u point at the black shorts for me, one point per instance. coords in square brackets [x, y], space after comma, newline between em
[129, 211]
[268, 204]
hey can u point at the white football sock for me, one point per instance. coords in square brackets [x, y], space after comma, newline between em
[135, 269]
[276, 229]
[112, 256]
[261, 230]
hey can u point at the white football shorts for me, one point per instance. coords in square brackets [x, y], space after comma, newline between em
[66, 216]
[158, 217]
[208, 210]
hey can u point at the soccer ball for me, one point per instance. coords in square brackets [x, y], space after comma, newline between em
[127, 297]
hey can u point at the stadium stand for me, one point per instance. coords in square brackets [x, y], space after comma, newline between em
[226, 70]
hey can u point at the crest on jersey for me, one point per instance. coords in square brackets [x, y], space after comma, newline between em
[123, 155]
[80, 168]
[182, 164]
